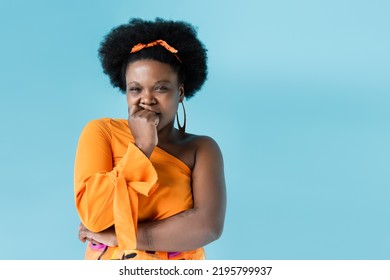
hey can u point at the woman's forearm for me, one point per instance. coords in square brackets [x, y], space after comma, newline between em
[185, 231]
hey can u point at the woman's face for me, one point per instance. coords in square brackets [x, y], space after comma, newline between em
[154, 86]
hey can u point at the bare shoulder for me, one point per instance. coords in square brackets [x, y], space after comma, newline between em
[206, 142]
[192, 149]
[204, 147]
[196, 142]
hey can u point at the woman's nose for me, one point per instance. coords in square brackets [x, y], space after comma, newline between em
[147, 97]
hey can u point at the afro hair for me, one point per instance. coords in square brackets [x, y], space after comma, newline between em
[114, 51]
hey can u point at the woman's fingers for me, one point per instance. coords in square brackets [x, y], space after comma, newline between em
[143, 114]
[82, 233]
[133, 109]
[87, 235]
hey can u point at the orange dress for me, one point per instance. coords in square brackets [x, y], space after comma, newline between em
[116, 184]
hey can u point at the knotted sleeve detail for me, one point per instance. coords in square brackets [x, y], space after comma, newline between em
[107, 195]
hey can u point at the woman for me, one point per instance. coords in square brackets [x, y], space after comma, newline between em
[143, 188]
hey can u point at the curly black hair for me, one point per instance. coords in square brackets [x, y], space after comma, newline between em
[114, 51]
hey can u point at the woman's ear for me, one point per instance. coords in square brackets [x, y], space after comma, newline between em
[181, 93]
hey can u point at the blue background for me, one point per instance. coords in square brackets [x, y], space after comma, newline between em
[298, 98]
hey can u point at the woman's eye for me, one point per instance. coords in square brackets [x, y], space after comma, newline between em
[161, 88]
[134, 90]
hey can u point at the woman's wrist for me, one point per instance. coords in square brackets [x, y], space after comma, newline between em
[147, 149]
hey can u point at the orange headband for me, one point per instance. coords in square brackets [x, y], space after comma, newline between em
[160, 42]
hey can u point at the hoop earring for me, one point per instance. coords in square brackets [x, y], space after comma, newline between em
[182, 129]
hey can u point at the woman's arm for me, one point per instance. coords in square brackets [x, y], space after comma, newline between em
[97, 180]
[203, 223]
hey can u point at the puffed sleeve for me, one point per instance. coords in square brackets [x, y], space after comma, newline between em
[107, 194]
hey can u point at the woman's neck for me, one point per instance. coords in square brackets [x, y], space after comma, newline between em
[168, 134]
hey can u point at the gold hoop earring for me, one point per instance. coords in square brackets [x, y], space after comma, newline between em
[182, 129]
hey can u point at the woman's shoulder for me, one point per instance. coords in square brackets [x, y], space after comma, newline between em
[199, 139]
[205, 151]
[106, 126]
[107, 123]
[190, 146]
[201, 143]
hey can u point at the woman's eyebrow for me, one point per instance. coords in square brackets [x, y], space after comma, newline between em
[133, 83]
[163, 81]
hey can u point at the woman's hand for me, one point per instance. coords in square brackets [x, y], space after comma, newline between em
[143, 125]
[107, 237]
